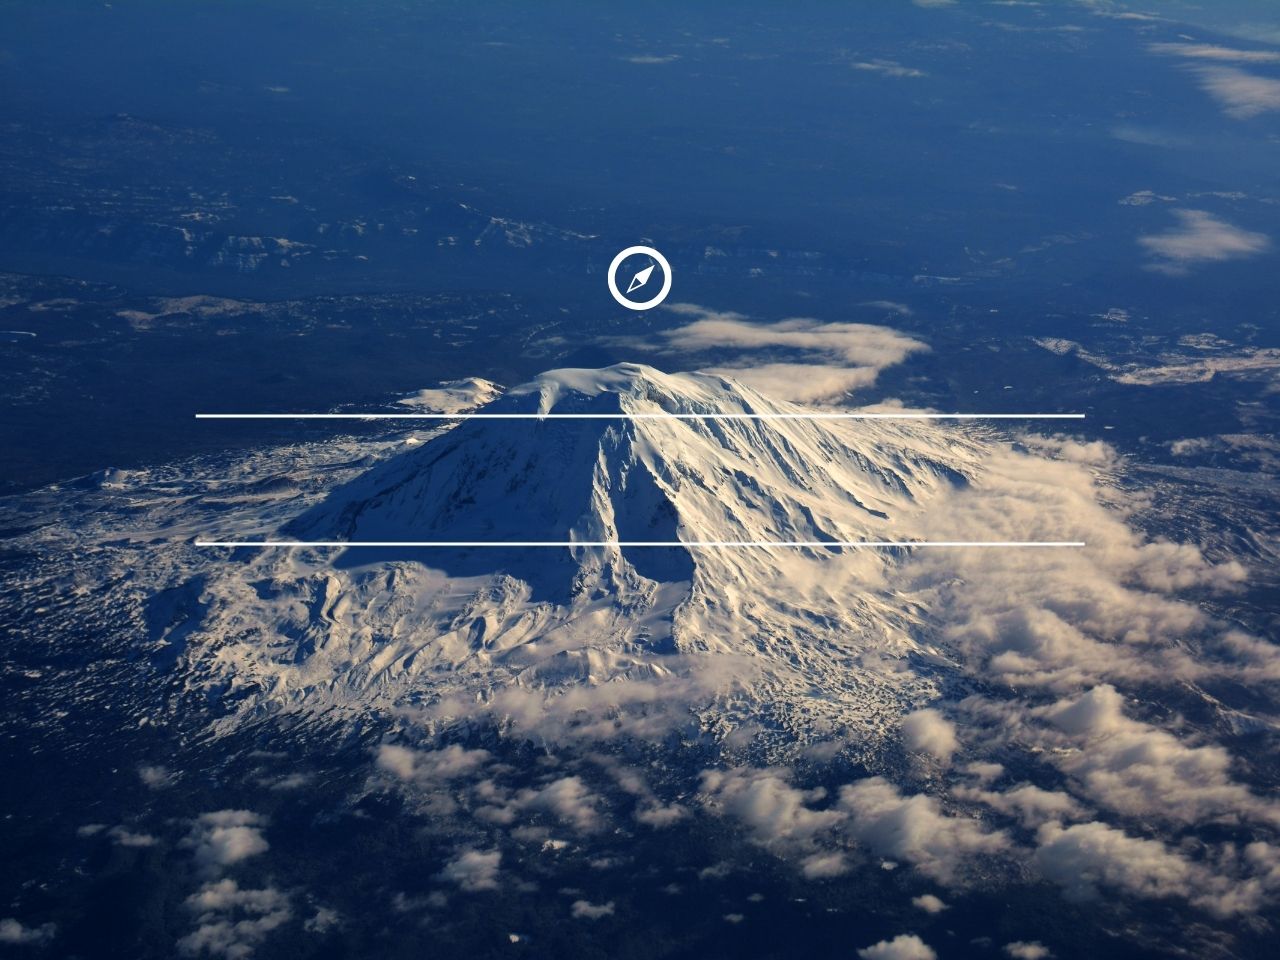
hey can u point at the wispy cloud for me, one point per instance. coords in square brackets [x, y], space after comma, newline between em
[652, 58]
[890, 68]
[1242, 95]
[586, 910]
[1200, 238]
[1209, 51]
[797, 359]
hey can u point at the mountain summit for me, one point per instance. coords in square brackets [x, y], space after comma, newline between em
[655, 477]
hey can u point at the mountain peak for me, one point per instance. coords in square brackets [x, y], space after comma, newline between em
[632, 388]
[676, 481]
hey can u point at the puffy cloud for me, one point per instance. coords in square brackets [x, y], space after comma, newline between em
[1143, 771]
[905, 946]
[585, 910]
[568, 799]
[659, 816]
[14, 933]
[1069, 619]
[928, 731]
[590, 712]
[473, 870]
[1087, 857]
[127, 838]
[429, 766]
[929, 903]
[915, 829]
[1243, 95]
[824, 866]
[1083, 857]
[1200, 238]
[1031, 805]
[764, 801]
[225, 837]
[1027, 950]
[232, 921]
[870, 812]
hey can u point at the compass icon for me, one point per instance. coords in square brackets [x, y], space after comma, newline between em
[647, 261]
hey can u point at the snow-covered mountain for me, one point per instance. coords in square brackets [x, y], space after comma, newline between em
[801, 641]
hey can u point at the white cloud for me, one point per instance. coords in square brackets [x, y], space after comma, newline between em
[156, 777]
[232, 921]
[824, 866]
[322, 921]
[429, 766]
[1027, 950]
[473, 870]
[928, 731]
[1209, 51]
[799, 382]
[929, 903]
[905, 946]
[225, 837]
[1031, 805]
[1067, 619]
[798, 359]
[859, 344]
[568, 799]
[127, 838]
[767, 803]
[1201, 238]
[14, 933]
[915, 829]
[1086, 858]
[585, 910]
[659, 816]
[1242, 95]
[890, 68]
[1142, 771]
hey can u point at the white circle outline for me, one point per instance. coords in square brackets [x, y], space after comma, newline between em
[613, 278]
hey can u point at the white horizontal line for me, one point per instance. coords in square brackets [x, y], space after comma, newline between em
[640, 416]
[697, 544]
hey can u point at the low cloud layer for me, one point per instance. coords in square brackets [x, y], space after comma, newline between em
[1209, 51]
[1201, 238]
[1242, 95]
[796, 359]
[890, 68]
[15, 933]
[231, 921]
